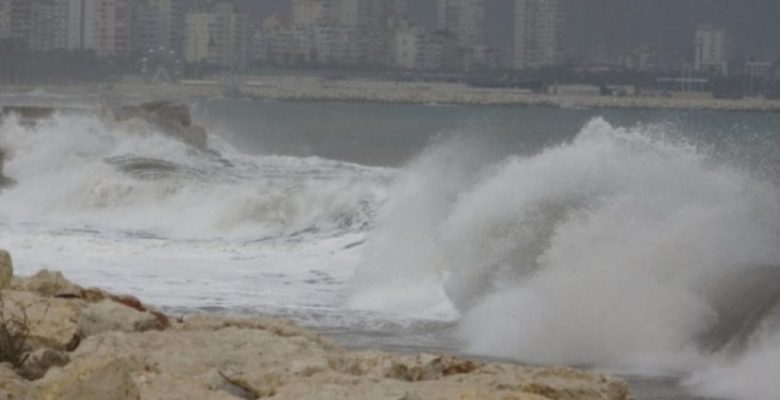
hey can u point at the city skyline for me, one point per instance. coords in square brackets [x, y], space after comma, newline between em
[703, 37]
[594, 24]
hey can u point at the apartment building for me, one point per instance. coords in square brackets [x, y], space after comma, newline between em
[538, 33]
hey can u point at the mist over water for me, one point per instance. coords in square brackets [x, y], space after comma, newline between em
[546, 236]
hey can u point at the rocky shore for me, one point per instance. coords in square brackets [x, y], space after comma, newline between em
[4, 180]
[61, 341]
[319, 89]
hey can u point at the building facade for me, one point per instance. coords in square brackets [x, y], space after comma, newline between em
[217, 37]
[464, 19]
[166, 22]
[5, 19]
[407, 46]
[538, 33]
[20, 21]
[49, 25]
[711, 50]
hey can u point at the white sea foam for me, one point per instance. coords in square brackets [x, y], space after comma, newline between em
[609, 250]
[68, 174]
[132, 210]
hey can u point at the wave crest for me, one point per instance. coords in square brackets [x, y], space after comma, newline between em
[609, 250]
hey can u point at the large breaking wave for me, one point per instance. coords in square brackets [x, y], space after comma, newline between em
[81, 171]
[623, 248]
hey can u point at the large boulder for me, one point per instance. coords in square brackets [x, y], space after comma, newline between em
[12, 386]
[4, 180]
[48, 284]
[6, 269]
[169, 118]
[109, 315]
[94, 378]
[52, 322]
[37, 363]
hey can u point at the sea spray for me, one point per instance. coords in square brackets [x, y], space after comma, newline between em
[606, 250]
[403, 270]
[747, 376]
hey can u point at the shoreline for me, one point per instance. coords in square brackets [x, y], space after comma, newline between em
[385, 92]
[88, 344]
[74, 343]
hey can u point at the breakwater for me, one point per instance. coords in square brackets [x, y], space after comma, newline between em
[319, 89]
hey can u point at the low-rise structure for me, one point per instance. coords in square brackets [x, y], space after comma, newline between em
[574, 90]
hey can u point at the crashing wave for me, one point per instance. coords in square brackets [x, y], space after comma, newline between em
[624, 248]
[82, 170]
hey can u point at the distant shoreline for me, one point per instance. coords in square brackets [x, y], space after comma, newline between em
[387, 92]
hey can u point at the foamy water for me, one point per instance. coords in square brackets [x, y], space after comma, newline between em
[621, 248]
[611, 250]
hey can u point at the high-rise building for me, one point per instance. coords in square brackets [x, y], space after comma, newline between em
[5, 19]
[464, 20]
[219, 36]
[49, 25]
[99, 26]
[20, 21]
[538, 38]
[168, 26]
[711, 50]
[75, 24]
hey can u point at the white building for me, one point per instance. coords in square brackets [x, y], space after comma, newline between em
[575, 90]
[99, 26]
[711, 50]
[107, 26]
[217, 37]
[406, 46]
[538, 27]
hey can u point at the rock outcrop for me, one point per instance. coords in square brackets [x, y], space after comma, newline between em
[47, 284]
[6, 269]
[169, 118]
[87, 378]
[12, 386]
[53, 322]
[4, 180]
[124, 352]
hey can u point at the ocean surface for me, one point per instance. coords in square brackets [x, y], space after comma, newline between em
[638, 242]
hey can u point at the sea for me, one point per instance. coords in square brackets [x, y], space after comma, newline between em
[643, 243]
